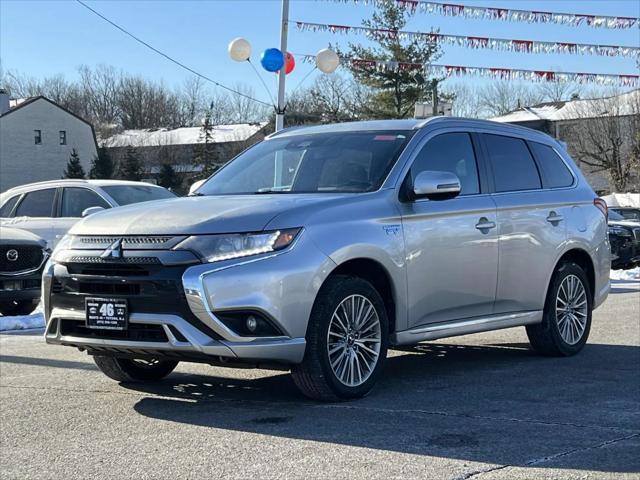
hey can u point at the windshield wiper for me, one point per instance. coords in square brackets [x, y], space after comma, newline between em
[267, 191]
[196, 194]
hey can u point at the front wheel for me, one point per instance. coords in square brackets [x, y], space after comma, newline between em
[567, 314]
[347, 341]
[136, 370]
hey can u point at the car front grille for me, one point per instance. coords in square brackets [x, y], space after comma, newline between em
[20, 258]
[149, 289]
[136, 332]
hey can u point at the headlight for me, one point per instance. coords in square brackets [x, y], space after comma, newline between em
[215, 248]
[63, 244]
[621, 232]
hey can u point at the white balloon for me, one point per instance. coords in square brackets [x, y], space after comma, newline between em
[239, 49]
[327, 61]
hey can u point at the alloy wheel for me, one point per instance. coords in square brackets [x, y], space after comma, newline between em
[353, 340]
[572, 309]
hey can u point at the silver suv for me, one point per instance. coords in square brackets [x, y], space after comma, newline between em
[320, 248]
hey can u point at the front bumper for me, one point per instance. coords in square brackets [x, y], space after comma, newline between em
[20, 287]
[174, 310]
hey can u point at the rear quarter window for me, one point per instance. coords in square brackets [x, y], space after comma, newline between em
[555, 172]
[6, 209]
[513, 166]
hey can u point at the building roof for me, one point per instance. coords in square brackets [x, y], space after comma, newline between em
[575, 109]
[182, 136]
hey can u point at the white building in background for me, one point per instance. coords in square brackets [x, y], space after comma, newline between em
[36, 139]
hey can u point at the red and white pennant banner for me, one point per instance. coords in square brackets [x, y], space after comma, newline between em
[447, 71]
[501, 44]
[509, 14]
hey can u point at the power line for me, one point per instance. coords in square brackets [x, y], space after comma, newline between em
[173, 60]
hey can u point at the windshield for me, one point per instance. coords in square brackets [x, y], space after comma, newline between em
[628, 214]
[128, 194]
[613, 215]
[317, 163]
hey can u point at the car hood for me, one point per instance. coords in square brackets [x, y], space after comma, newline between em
[195, 215]
[624, 223]
[16, 236]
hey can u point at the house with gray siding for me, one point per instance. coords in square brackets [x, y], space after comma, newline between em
[36, 139]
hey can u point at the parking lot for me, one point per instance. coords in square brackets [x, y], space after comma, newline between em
[482, 407]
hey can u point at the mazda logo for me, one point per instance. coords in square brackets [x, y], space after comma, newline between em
[12, 255]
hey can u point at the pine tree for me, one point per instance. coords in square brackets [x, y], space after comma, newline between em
[168, 178]
[395, 91]
[74, 167]
[205, 156]
[102, 165]
[131, 167]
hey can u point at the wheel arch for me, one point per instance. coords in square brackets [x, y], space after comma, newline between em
[374, 272]
[583, 259]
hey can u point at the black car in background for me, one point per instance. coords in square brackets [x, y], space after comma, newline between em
[22, 259]
[624, 236]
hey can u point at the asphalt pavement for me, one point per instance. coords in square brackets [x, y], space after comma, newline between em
[482, 407]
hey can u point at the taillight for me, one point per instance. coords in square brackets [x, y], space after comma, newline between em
[602, 206]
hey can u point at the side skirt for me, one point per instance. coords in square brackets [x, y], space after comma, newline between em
[465, 327]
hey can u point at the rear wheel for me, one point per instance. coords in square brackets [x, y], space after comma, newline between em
[567, 314]
[347, 340]
[136, 370]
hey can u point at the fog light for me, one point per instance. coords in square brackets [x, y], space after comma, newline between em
[252, 323]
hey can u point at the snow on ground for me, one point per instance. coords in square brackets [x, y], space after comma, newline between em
[632, 274]
[23, 322]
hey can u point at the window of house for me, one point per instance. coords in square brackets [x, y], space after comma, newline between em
[77, 200]
[63, 137]
[513, 166]
[450, 152]
[36, 204]
[37, 137]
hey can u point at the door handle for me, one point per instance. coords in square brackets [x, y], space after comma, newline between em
[554, 218]
[485, 224]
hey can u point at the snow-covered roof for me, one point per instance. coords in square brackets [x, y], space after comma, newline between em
[570, 110]
[182, 136]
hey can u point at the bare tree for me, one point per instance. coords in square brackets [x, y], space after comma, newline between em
[466, 100]
[245, 110]
[504, 96]
[193, 101]
[606, 138]
[100, 87]
[560, 91]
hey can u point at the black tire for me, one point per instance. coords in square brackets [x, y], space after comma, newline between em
[314, 377]
[545, 337]
[22, 307]
[126, 370]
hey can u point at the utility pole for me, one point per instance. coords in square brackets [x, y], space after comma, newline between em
[282, 76]
[434, 96]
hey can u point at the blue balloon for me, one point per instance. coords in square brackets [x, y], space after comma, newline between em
[272, 59]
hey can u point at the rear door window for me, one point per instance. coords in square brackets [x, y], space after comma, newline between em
[77, 200]
[513, 166]
[37, 204]
[554, 171]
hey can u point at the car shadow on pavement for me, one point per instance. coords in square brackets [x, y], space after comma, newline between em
[493, 404]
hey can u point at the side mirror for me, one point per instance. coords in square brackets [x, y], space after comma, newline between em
[91, 210]
[436, 185]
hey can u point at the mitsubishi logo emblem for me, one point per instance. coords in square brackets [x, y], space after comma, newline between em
[114, 251]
